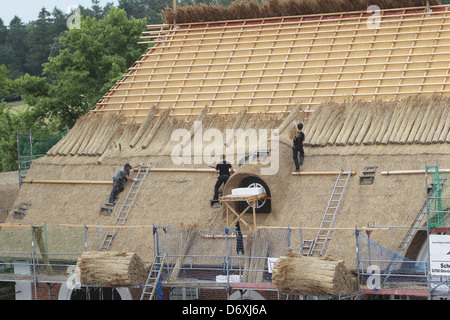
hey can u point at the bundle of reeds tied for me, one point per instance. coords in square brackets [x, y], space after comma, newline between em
[297, 274]
[276, 8]
[115, 269]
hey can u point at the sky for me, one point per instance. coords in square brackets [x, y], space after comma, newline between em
[28, 10]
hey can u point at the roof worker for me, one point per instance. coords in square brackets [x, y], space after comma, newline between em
[297, 147]
[119, 179]
[224, 169]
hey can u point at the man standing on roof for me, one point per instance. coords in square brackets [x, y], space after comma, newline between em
[118, 180]
[224, 169]
[297, 148]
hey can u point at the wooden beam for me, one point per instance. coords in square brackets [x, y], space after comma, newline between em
[422, 171]
[31, 181]
[204, 170]
[318, 173]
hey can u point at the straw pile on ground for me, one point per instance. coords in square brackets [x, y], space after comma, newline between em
[115, 269]
[254, 9]
[297, 274]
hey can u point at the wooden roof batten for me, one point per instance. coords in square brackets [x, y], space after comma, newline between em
[270, 65]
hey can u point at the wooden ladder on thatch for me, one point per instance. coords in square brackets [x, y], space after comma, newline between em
[154, 278]
[309, 247]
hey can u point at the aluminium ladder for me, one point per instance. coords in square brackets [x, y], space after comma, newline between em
[107, 240]
[128, 203]
[154, 277]
[320, 242]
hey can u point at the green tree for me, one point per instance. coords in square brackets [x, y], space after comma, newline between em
[39, 38]
[5, 83]
[148, 9]
[91, 60]
[7, 132]
[15, 39]
[3, 32]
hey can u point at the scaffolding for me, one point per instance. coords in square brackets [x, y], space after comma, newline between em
[439, 199]
[381, 271]
[221, 258]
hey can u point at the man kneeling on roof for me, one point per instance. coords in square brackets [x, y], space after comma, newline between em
[118, 180]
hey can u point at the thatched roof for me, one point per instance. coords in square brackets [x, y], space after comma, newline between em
[405, 130]
[392, 200]
[9, 188]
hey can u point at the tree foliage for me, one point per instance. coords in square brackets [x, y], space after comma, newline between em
[62, 73]
[92, 58]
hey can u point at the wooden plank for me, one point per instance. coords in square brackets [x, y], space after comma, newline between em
[318, 173]
[421, 171]
[249, 198]
[31, 181]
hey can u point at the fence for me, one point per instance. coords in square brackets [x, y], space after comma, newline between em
[48, 253]
[221, 256]
[32, 252]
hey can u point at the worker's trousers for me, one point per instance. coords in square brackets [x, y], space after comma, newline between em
[117, 188]
[295, 152]
[221, 179]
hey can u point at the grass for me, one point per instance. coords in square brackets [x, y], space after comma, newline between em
[17, 107]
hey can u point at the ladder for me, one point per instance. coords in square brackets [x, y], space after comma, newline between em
[128, 203]
[122, 216]
[154, 277]
[107, 240]
[309, 247]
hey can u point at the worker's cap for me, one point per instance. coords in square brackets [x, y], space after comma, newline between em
[127, 165]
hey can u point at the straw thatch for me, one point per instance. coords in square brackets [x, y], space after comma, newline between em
[415, 120]
[276, 8]
[9, 189]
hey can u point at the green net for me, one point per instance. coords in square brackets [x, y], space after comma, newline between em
[29, 149]
[439, 198]
[34, 147]
[40, 250]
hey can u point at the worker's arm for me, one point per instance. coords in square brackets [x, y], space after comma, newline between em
[138, 165]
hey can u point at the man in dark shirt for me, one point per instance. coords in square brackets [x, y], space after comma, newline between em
[224, 169]
[118, 180]
[298, 147]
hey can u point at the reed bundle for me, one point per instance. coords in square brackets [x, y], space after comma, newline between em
[115, 269]
[416, 120]
[297, 274]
